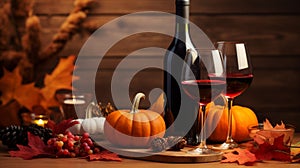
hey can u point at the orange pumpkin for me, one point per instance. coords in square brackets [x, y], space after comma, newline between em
[242, 118]
[134, 128]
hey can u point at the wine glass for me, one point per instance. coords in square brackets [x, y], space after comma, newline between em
[239, 76]
[203, 81]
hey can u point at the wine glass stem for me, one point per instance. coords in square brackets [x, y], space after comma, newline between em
[202, 133]
[229, 133]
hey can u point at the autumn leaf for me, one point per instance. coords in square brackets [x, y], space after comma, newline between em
[61, 127]
[12, 89]
[104, 155]
[241, 156]
[36, 147]
[60, 78]
[275, 151]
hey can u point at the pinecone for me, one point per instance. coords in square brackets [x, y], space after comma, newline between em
[44, 133]
[14, 134]
[159, 144]
[176, 142]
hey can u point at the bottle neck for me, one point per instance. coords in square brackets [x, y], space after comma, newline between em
[182, 19]
[183, 10]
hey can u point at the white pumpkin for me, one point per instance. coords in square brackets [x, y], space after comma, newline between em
[91, 125]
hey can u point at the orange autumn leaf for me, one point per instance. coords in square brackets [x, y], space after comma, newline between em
[60, 78]
[12, 89]
[241, 156]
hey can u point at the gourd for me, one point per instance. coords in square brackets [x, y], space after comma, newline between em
[92, 125]
[134, 128]
[242, 118]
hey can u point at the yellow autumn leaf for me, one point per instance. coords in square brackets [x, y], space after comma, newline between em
[12, 89]
[60, 78]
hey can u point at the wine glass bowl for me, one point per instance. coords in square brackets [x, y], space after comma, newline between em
[203, 81]
[237, 65]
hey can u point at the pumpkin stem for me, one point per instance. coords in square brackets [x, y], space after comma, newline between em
[91, 108]
[136, 102]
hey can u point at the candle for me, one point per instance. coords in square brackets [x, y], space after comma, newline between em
[74, 101]
[40, 120]
[74, 107]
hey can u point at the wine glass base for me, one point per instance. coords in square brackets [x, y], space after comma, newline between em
[226, 145]
[204, 151]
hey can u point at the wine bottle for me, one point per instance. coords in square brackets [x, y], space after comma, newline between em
[173, 62]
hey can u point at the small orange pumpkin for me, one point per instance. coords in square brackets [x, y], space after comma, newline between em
[242, 118]
[134, 128]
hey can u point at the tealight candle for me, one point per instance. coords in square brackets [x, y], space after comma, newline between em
[74, 107]
[74, 101]
[40, 120]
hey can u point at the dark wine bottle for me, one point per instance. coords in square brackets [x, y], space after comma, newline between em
[173, 62]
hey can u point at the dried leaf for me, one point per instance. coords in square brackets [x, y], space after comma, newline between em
[242, 156]
[275, 151]
[12, 89]
[269, 133]
[35, 148]
[104, 155]
[281, 126]
[61, 127]
[60, 78]
[267, 125]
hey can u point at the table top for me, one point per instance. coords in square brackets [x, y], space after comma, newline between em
[12, 162]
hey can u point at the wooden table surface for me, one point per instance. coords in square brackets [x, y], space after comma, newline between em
[11, 162]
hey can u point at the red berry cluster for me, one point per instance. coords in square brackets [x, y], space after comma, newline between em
[69, 145]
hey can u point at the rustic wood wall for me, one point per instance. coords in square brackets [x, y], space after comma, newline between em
[270, 28]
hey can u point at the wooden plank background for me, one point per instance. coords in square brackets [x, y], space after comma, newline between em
[270, 28]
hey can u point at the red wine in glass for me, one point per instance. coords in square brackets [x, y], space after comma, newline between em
[206, 93]
[237, 84]
[197, 83]
[237, 64]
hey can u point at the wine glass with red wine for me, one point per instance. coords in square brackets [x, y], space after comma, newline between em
[203, 80]
[239, 76]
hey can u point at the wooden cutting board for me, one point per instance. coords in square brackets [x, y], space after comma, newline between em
[166, 156]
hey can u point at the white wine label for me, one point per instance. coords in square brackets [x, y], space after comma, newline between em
[217, 62]
[194, 54]
[241, 56]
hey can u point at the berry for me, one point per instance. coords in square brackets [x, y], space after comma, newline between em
[69, 145]
[87, 148]
[64, 138]
[76, 138]
[59, 143]
[90, 152]
[66, 152]
[84, 144]
[85, 135]
[69, 134]
[59, 136]
[90, 142]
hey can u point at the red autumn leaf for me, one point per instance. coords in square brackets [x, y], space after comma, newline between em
[276, 151]
[61, 127]
[242, 156]
[35, 148]
[105, 155]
